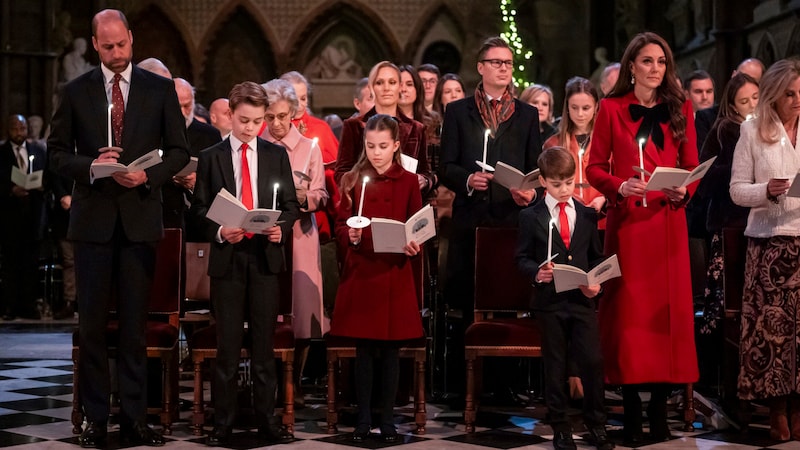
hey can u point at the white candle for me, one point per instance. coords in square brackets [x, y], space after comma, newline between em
[275, 196]
[110, 106]
[485, 145]
[308, 159]
[30, 163]
[551, 227]
[641, 166]
[361, 201]
[580, 170]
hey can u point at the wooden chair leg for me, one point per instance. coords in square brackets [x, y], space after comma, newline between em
[420, 413]
[288, 386]
[198, 412]
[469, 401]
[333, 415]
[689, 414]
[169, 364]
[77, 411]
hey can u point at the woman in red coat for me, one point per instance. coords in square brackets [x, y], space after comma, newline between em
[377, 300]
[646, 317]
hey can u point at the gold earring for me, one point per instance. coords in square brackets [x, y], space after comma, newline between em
[633, 80]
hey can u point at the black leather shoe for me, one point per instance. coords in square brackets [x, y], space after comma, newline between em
[361, 433]
[94, 436]
[599, 438]
[275, 435]
[562, 440]
[218, 436]
[632, 439]
[389, 434]
[139, 433]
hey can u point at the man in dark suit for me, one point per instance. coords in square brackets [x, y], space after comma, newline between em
[514, 140]
[115, 222]
[244, 267]
[178, 194]
[22, 227]
[567, 319]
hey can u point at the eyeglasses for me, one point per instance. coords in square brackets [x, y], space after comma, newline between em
[428, 80]
[497, 63]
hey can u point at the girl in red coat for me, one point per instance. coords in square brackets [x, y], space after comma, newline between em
[646, 317]
[377, 300]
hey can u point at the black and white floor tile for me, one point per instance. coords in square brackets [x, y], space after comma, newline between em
[36, 396]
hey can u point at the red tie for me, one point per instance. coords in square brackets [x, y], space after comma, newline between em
[564, 223]
[247, 189]
[118, 111]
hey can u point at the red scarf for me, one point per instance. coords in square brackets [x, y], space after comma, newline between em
[494, 115]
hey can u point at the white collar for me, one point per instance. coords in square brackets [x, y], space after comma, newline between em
[108, 75]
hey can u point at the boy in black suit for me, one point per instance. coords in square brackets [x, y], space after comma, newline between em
[567, 319]
[243, 267]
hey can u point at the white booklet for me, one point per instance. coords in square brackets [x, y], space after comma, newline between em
[511, 177]
[26, 181]
[390, 236]
[794, 188]
[228, 211]
[669, 177]
[105, 169]
[568, 277]
[188, 168]
[409, 163]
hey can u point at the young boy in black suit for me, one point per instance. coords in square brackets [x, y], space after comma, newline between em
[567, 319]
[243, 267]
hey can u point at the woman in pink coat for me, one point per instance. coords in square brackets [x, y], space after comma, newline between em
[646, 316]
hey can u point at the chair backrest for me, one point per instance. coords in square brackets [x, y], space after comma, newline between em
[285, 283]
[499, 285]
[734, 254]
[198, 283]
[165, 292]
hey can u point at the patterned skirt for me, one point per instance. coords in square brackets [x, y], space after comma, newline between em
[770, 329]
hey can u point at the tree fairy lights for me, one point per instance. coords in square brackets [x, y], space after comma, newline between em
[510, 34]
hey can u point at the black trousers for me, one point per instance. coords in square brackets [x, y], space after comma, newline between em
[388, 353]
[124, 270]
[250, 294]
[570, 335]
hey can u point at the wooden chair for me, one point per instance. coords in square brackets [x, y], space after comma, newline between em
[161, 332]
[204, 347]
[339, 348]
[502, 299]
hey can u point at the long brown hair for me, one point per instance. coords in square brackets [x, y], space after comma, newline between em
[727, 109]
[378, 122]
[669, 91]
[575, 85]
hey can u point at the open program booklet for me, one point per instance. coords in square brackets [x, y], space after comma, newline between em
[511, 177]
[669, 177]
[26, 181]
[105, 169]
[228, 211]
[390, 236]
[568, 277]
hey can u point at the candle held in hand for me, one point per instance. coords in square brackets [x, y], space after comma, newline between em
[110, 106]
[485, 146]
[361, 200]
[275, 197]
[641, 166]
[550, 239]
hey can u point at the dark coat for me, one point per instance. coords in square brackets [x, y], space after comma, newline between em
[215, 171]
[377, 297]
[80, 128]
[23, 217]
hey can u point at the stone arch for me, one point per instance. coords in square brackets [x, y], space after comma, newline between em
[766, 50]
[437, 39]
[237, 49]
[157, 35]
[342, 18]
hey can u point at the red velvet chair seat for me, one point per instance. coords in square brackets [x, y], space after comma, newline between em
[503, 333]
[157, 335]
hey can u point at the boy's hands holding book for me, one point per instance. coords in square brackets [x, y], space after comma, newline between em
[545, 273]
[231, 234]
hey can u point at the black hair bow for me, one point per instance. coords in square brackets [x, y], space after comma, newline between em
[652, 116]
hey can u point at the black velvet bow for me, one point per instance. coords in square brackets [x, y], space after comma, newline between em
[652, 116]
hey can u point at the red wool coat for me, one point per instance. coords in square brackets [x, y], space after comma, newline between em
[646, 316]
[377, 298]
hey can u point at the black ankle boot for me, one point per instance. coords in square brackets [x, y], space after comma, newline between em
[632, 416]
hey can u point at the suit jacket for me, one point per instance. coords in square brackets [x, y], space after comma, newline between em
[215, 171]
[23, 216]
[412, 143]
[153, 120]
[517, 142]
[703, 121]
[585, 251]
